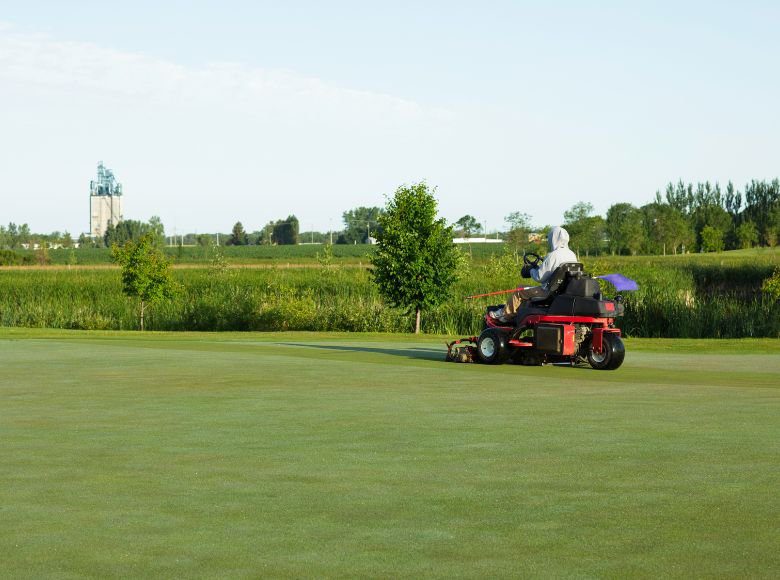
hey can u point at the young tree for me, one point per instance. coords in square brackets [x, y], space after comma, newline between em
[157, 228]
[415, 262]
[711, 239]
[468, 225]
[238, 236]
[146, 273]
[747, 235]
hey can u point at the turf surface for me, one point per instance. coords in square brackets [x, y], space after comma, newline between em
[185, 455]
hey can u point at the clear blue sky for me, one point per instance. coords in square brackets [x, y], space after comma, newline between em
[211, 112]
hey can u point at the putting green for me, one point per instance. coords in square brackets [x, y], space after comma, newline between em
[180, 455]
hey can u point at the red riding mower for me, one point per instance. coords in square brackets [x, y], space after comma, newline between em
[571, 322]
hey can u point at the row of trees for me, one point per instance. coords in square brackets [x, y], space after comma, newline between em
[19, 236]
[687, 217]
[132, 230]
[361, 225]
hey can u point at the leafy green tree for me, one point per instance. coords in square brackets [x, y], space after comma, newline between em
[586, 232]
[157, 229]
[625, 228]
[415, 263]
[238, 236]
[285, 232]
[146, 273]
[666, 229]
[85, 241]
[772, 232]
[772, 284]
[747, 234]
[761, 199]
[359, 224]
[66, 240]
[673, 231]
[713, 215]
[132, 230]
[519, 228]
[468, 225]
[711, 239]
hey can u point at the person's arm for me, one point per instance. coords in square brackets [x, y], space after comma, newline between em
[543, 272]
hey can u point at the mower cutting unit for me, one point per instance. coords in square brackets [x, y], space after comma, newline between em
[572, 323]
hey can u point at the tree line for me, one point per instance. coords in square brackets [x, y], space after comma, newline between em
[685, 217]
[699, 217]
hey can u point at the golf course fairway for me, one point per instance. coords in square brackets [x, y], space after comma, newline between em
[187, 455]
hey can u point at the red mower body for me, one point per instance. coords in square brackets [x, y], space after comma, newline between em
[573, 324]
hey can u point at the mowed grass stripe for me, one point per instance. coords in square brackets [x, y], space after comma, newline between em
[208, 456]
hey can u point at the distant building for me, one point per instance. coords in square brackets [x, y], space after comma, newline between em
[476, 241]
[105, 201]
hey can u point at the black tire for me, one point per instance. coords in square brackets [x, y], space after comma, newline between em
[492, 347]
[612, 356]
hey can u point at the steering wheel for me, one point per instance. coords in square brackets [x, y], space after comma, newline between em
[531, 259]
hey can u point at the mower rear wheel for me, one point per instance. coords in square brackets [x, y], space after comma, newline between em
[492, 347]
[611, 356]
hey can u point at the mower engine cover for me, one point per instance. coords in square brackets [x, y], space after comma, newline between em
[556, 339]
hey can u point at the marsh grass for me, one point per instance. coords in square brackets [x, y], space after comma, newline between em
[689, 296]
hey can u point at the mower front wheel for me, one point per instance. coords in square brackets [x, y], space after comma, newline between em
[611, 356]
[492, 347]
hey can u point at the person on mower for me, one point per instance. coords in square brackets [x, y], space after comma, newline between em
[558, 242]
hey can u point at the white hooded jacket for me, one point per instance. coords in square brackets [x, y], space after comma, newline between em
[558, 241]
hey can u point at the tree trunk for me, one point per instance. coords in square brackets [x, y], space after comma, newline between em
[142, 315]
[417, 322]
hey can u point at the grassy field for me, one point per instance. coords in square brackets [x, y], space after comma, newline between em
[701, 296]
[187, 455]
[342, 253]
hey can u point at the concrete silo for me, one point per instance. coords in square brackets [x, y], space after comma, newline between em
[105, 201]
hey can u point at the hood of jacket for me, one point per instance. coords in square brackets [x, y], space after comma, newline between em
[557, 238]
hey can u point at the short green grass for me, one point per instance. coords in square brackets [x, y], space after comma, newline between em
[187, 455]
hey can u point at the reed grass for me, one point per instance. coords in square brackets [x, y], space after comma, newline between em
[690, 297]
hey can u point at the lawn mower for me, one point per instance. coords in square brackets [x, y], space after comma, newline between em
[571, 322]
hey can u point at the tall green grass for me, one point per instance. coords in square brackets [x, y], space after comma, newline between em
[678, 297]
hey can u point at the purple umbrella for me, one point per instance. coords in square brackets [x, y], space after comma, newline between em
[620, 282]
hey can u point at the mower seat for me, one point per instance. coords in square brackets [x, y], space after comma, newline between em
[557, 282]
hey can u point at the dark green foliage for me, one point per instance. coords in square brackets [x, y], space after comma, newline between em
[711, 239]
[747, 235]
[666, 229]
[238, 237]
[285, 232]
[359, 223]
[625, 229]
[467, 226]
[586, 232]
[14, 236]
[415, 262]
[133, 230]
[11, 258]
